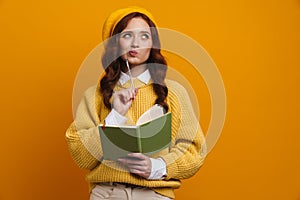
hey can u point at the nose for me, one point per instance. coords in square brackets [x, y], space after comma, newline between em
[135, 43]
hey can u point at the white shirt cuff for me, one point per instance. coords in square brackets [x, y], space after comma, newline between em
[115, 118]
[158, 170]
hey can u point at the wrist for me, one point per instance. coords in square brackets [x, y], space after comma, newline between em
[158, 169]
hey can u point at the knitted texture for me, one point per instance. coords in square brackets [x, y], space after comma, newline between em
[183, 159]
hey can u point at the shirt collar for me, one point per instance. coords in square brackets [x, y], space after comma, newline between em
[143, 77]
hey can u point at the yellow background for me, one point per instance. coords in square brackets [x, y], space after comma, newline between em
[255, 44]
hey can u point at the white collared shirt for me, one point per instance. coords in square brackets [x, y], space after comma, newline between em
[143, 77]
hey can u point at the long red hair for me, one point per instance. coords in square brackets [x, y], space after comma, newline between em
[115, 66]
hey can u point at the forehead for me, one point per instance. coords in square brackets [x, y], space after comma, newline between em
[137, 23]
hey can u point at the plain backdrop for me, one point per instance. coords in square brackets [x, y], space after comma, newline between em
[255, 44]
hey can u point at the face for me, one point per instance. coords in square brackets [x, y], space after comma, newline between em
[136, 41]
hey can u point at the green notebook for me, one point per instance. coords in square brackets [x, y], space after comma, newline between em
[147, 138]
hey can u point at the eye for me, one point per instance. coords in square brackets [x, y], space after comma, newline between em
[145, 36]
[126, 35]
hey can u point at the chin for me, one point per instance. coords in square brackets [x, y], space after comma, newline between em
[134, 61]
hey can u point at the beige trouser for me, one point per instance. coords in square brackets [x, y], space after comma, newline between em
[116, 191]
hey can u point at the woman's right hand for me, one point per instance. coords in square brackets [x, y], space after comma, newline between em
[122, 100]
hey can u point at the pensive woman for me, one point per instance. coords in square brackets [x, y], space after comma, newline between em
[132, 49]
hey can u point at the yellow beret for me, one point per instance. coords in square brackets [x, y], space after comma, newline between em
[115, 17]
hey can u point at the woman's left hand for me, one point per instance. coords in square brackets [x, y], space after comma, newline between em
[137, 163]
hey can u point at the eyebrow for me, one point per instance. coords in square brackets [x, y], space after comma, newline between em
[139, 32]
[146, 32]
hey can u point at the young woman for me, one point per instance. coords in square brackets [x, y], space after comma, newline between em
[133, 38]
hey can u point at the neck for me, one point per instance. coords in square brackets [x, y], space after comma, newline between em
[136, 70]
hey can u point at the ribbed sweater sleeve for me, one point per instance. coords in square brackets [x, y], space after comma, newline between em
[83, 136]
[188, 150]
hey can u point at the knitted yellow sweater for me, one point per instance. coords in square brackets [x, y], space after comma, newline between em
[183, 159]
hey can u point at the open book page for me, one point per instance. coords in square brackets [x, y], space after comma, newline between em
[154, 112]
[151, 114]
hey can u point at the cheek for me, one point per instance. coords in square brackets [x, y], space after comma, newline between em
[147, 44]
[124, 44]
[147, 48]
[146, 52]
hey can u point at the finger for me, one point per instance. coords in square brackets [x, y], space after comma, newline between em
[131, 162]
[136, 171]
[132, 94]
[140, 168]
[124, 96]
[129, 95]
[142, 174]
[135, 91]
[139, 156]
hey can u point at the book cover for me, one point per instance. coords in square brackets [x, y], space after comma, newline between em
[147, 137]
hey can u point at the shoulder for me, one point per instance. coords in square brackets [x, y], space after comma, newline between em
[91, 97]
[181, 97]
[88, 107]
[176, 89]
[92, 92]
[173, 84]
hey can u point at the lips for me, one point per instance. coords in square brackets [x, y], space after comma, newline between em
[133, 53]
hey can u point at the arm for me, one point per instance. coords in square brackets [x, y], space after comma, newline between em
[82, 136]
[187, 151]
